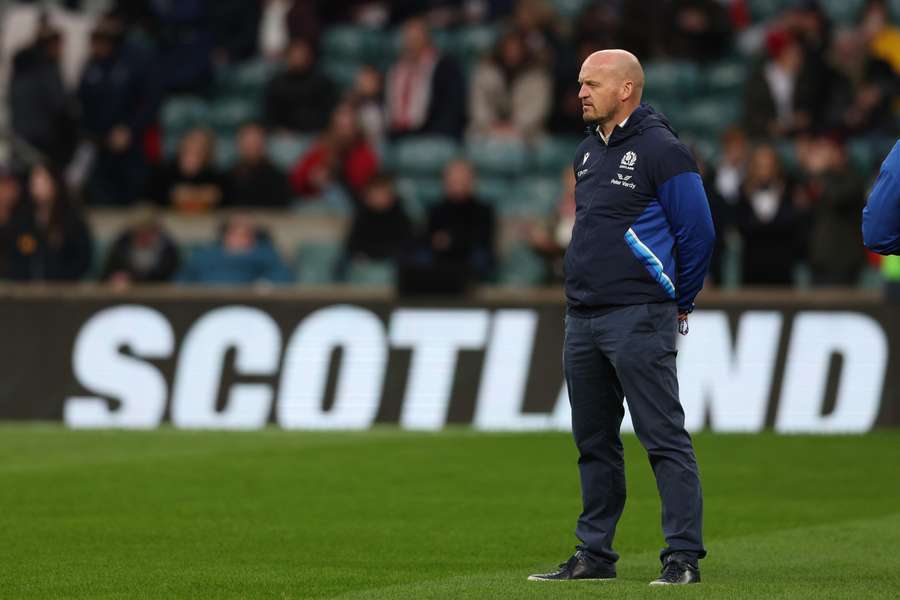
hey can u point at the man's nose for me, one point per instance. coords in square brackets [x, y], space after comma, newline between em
[582, 92]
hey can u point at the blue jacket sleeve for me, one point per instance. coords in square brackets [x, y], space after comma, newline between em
[881, 216]
[684, 201]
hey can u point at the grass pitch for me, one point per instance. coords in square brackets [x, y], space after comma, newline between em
[387, 514]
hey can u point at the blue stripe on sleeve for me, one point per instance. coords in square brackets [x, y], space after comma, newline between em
[684, 201]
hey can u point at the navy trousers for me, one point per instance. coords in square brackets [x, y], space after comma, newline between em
[629, 352]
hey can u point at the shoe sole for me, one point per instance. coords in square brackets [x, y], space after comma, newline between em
[533, 578]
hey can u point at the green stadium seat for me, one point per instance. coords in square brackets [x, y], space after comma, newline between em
[843, 12]
[495, 157]
[726, 77]
[522, 267]
[551, 155]
[569, 9]
[418, 156]
[788, 155]
[332, 202]
[496, 191]
[342, 72]
[535, 196]
[368, 272]
[353, 44]
[228, 115]
[470, 44]
[225, 151]
[285, 150]
[181, 113]
[861, 155]
[419, 194]
[316, 262]
[672, 79]
[247, 78]
[762, 10]
[706, 117]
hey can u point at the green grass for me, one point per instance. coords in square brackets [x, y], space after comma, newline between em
[387, 514]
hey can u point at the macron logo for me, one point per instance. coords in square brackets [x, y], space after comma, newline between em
[586, 155]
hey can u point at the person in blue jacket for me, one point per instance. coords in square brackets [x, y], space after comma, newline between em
[881, 216]
[640, 250]
[243, 255]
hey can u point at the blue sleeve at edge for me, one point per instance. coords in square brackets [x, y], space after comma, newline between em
[881, 216]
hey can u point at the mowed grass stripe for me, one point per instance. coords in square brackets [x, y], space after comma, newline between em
[273, 514]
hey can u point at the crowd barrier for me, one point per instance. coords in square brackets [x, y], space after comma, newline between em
[92, 356]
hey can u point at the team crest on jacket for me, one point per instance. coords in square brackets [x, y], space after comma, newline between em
[628, 161]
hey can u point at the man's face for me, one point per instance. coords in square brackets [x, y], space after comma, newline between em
[252, 143]
[459, 181]
[599, 93]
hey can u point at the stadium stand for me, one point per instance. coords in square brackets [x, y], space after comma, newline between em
[518, 177]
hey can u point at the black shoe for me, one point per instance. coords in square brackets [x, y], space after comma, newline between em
[677, 572]
[580, 567]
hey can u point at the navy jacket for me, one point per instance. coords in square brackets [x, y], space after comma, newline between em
[643, 230]
[881, 216]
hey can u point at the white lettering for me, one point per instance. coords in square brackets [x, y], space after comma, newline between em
[360, 335]
[257, 341]
[732, 383]
[435, 337]
[100, 366]
[506, 367]
[816, 336]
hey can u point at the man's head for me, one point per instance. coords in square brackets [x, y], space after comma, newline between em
[379, 195]
[239, 234]
[459, 180]
[612, 82]
[416, 37]
[251, 143]
[299, 56]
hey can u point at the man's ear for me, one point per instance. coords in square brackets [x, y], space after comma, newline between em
[627, 90]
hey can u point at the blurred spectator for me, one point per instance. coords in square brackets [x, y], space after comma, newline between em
[697, 30]
[119, 97]
[862, 90]
[10, 206]
[779, 96]
[244, 254]
[48, 240]
[186, 44]
[511, 92]
[273, 27]
[728, 173]
[254, 180]
[235, 29]
[723, 181]
[425, 90]
[41, 111]
[367, 97]
[189, 183]
[340, 156]
[143, 253]
[767, 221]
[551, 241]
[536, 22]
[381, 229]
[833, 196]
[461, 228]
[882, 36]
[300, 98]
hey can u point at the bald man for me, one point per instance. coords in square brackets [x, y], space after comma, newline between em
[640, 250]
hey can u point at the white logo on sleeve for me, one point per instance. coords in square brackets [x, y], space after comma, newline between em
[586, 155]
[628, 161]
